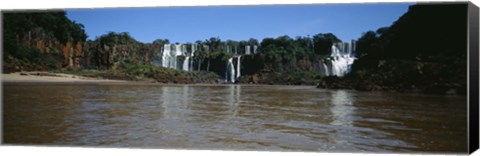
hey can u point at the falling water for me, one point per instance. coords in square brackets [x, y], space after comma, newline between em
[166, 55]
[230, 71]
[172, 51]
[186, 63]
[341, 59]
[325, 67]
[191, 55]
[178, 50]
[184, 50]
[247, 50]
[238, 67]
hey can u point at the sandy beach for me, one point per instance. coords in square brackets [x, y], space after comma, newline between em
[47, 77]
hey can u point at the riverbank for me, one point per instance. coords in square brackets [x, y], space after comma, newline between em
[50, 77]
[405, 76]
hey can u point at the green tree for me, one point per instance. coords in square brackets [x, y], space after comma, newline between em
[323, 42]
[214, 48]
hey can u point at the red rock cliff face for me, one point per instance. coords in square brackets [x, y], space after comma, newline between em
[78, 55]
[66, 51]
[72, 54]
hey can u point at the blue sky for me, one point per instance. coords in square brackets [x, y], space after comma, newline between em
[188, 24]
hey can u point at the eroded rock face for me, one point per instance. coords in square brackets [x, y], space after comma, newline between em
[78, 55]
[72, 54]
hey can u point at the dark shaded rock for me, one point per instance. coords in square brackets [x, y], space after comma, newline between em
[255, 78]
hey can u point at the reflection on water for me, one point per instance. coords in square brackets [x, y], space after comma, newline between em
[233, 117]
[342, 108]
[234, 99]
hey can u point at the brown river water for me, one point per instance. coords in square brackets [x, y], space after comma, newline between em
[233, 117]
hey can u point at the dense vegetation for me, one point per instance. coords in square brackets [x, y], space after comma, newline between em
[40, 41]
[424, 51]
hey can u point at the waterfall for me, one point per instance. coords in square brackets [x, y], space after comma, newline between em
[230, 73]
[238, 67]
[171, 52]
[186, 63]
[168, 60]
[173, 62]
[166, 55]
[178, 50]
[247, 50]
[193, 50]
[184, 50]
[325, 68]
[192, 53]
[341, 59]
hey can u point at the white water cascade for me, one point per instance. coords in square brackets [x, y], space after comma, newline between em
[166, 56]
[325, 67]
[187, 65]
[238, 67]
[186, 62]
[178, 50]
[170, 53]
[170, 56]
[230, 71]
[192, 53]
[342, 58]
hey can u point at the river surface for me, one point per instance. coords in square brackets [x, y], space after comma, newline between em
[233, 117]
